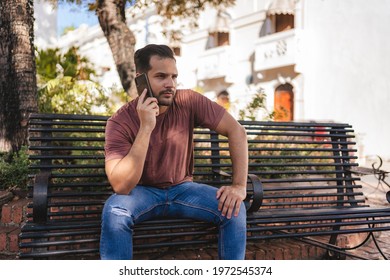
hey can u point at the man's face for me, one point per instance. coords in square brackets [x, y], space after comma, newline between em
[163, 79]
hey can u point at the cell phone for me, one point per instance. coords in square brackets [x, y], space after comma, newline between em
[142, 82]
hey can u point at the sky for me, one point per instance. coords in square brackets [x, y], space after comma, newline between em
[73, 15]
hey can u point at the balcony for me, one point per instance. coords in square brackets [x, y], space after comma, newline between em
[213, 63]
[275, 50]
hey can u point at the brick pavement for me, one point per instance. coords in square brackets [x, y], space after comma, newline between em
[375, 194]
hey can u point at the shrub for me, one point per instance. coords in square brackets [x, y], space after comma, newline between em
[256, 108]
[14, 170]
[67, 84]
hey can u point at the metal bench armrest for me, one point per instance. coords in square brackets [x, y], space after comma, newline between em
[41, 185]
[258, 193]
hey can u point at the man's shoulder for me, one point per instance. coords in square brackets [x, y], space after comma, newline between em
[183, 95]
[124, 112]
[180, 92]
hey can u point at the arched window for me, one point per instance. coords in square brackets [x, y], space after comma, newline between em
[284, 103]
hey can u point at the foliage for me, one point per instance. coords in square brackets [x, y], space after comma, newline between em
[68, 29]
[117, 98]
[256, 106]
[14, 169]
[66, 84]
[65, 95]
[46, 63]
[52, 64]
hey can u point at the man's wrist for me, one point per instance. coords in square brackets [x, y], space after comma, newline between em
[146, 130]
[239, 185]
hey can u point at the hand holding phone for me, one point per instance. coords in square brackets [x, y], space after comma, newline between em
[142, 82]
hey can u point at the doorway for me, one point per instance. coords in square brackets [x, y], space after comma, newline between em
[284, 103]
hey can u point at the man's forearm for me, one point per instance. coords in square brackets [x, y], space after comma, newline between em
[231, 197]
[238, 146]
[126, 173]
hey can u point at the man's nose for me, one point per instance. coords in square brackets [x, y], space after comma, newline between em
[170, 82]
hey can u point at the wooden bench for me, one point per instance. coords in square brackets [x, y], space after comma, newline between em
[300, 186]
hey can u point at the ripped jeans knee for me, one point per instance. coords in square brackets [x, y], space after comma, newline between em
[117, 217]
[120, 211]
[116, 234]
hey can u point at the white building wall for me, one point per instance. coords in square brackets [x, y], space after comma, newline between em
[347, 68]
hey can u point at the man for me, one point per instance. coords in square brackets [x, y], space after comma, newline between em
[149, 160]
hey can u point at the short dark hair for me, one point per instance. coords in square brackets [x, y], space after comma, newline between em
[142, 56]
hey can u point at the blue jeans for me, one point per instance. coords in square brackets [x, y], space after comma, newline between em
[187, 200]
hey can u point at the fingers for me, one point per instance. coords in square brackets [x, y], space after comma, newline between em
[229, 202]
[148, 110]
[152, 105]
[144, 97]
[237, 209]
[219, 192]
[147, 103]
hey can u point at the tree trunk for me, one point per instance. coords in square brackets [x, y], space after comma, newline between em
[112, 20]
[18, 92]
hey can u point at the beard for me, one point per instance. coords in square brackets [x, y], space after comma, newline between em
[165, 97]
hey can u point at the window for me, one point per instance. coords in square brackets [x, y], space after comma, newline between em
[277, 23]
[280, 17]
[219, 30]
[217, 39]
[176, 51]
[283, 22]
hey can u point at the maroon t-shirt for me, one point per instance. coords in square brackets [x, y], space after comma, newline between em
[169, 160]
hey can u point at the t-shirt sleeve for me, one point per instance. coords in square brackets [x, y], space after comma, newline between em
[207, 113]
[117, 142]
